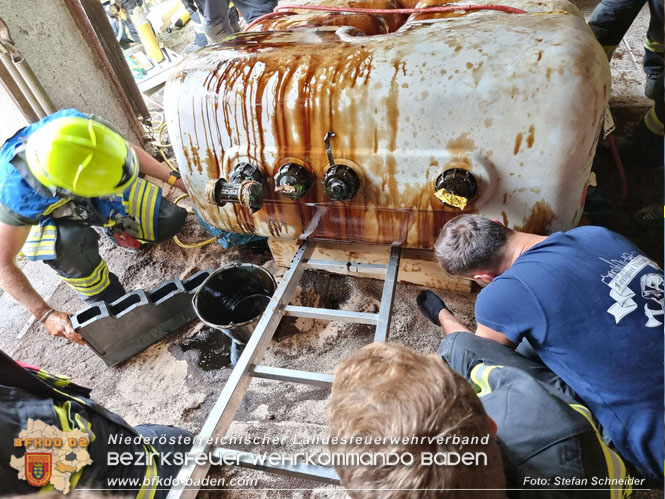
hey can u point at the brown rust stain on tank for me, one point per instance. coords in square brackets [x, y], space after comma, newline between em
[461, 145]
[505, 218]
[539, 220]
[299, 129]
[540, 55]
[212, 164]
[518, 143]
[194, 159]
[530, 137]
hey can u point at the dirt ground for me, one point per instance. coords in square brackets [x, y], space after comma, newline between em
[165, 383]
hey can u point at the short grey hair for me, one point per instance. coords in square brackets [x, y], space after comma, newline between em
[470, 243]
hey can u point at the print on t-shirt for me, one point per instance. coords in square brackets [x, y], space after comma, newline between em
[620, 276]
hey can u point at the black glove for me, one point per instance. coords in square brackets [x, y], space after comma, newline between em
[430, 305]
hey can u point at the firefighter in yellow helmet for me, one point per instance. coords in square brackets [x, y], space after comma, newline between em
[59, 178]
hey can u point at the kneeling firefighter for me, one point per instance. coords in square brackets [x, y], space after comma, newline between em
[61, 176]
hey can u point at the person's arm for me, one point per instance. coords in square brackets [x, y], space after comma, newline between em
[150, 166]
[500, 319]
[14, 282]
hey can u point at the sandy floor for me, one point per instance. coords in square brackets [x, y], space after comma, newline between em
[165, 385]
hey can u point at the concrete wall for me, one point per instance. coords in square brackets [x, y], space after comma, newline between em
[11, 119]
[54, 47]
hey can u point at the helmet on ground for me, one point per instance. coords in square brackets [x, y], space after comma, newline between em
[81, 156]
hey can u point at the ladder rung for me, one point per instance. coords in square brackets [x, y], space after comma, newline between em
[263, 463]
[292, 375]
[328, 314]
[331, 266]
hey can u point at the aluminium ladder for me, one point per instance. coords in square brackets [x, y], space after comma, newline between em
[248, 366]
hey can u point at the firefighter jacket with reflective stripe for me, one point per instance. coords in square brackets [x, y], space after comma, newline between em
[24, 201]
[30, 395]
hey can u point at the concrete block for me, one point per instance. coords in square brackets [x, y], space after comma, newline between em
[119, 330]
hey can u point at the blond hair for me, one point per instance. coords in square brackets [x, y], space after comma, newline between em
[387, 390]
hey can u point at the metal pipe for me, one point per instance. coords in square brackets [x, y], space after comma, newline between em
[33, 83]
[7, 61]
[247, 193]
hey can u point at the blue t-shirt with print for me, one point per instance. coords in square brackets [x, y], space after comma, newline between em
[591, 304]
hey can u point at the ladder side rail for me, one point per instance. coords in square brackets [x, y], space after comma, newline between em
[386, 306]
[232, 394]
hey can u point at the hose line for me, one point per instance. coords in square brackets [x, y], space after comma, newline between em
[193, 245]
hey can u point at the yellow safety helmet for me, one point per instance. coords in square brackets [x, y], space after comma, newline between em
[81, 156]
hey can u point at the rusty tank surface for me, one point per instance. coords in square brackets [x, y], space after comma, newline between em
[378, 127]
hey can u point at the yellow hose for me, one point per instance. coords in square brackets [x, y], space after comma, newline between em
[193, 245]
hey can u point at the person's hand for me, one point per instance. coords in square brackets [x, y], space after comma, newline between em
[58, 324]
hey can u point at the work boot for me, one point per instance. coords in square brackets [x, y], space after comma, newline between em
[641, 149]
[430, 305]
[650, 86]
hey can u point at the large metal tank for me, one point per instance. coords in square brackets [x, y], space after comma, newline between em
[424, 117]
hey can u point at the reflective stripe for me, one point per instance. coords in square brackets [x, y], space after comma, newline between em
[56, 379]
[653, 46]
[40, 244]
[55, 206]
[142, 201]
[480, 375]
[62, 416]
[93, 284]
[148, 209]
[149, 484]
[148, 487]
[70, 396]
[616, 470]
[652, 122]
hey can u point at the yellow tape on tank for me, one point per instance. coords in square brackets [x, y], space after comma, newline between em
[451, 199]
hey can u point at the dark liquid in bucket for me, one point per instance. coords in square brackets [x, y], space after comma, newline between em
[248, 308]
[234, 296]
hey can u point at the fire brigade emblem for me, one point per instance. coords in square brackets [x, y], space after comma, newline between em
[37, 468]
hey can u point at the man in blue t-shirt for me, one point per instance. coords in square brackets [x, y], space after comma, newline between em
[591, 305]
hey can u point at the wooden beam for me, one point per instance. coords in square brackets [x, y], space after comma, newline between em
[90, 17]
[416, 266]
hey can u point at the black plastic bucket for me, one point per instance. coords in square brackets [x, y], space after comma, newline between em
[233, 299]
